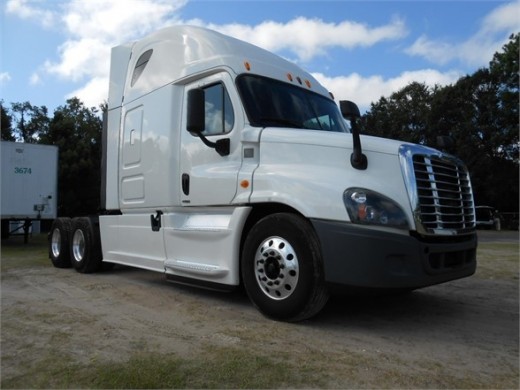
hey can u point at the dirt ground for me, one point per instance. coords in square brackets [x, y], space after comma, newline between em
[462, 334]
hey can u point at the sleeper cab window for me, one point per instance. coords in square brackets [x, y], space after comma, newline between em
[140, 65]
[219, 114]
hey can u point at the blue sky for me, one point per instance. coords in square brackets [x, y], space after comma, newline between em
[360, 50]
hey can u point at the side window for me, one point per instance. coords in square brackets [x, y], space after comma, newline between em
[219, 110]
[140, 65]
[324, 122]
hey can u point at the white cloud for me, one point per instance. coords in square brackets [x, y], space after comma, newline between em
[94, 26]
[35, 79]
[503, 18]
[435, 51]
[309, 38]
[479, 48]
[366, 90]
[5, 77]
[93, 93]
[117, 20]
[26, 9]
[81, 58]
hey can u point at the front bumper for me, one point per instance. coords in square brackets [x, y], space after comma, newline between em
[360, 257]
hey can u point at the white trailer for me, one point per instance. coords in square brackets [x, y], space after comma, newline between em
[225, 164]
[29, 183]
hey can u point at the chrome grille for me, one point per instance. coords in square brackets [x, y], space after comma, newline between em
[440, 191]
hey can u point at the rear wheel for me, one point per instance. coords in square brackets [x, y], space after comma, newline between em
[282, 269]
[85, 246]
[59, 243]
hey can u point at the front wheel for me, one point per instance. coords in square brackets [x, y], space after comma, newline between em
[282, 269]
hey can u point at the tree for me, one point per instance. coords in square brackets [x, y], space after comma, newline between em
[465, 112]
[404, 115]
[31, 121]
[76, 130]
[6, 122]
[479, 112]
[504, 70]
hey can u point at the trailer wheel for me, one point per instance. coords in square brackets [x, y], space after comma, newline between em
[85, 246]
[282, 268]
[59, 243]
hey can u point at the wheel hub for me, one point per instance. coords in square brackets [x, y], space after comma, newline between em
[272, 268]
[276, 268]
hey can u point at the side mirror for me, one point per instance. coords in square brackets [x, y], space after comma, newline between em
[196, 120]
[350, 111]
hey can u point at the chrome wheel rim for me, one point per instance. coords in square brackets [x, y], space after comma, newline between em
[56, 243]
[276, 268]
[78, 245]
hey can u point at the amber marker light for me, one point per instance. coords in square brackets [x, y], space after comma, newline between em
[308, 83]
[289, 76]
[362, 212]
[244, 183]
[247, 65]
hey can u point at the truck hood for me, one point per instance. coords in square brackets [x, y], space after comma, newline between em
[329, 139]
[313, 167]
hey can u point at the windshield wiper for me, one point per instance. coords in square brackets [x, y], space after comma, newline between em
[282, 121]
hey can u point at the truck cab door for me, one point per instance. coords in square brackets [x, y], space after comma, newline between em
[208, 178]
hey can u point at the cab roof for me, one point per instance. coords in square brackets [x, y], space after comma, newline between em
[178, 54]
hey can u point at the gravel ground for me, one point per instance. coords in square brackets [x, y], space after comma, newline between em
[462, 334]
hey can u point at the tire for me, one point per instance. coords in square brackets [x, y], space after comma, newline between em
[59, 238]
[282, 268]
[85, 246]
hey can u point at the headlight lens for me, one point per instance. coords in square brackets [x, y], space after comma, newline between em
[371, 208]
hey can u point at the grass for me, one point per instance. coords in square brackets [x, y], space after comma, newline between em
[238, 368]
[215, 368]
[230, 368]
[15, 254]
[498, 260]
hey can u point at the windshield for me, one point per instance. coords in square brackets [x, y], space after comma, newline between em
[274, 103]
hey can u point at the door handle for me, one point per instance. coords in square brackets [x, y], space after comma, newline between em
[186, 184]
[155, 221]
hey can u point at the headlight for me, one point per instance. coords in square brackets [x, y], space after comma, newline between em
[371, 208]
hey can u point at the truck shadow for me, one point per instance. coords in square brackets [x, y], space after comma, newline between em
[236, 296]
[387, 306]
[444, 309]
[445, 306]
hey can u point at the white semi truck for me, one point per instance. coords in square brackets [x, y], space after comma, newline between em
[224, 164]
[29, 185]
